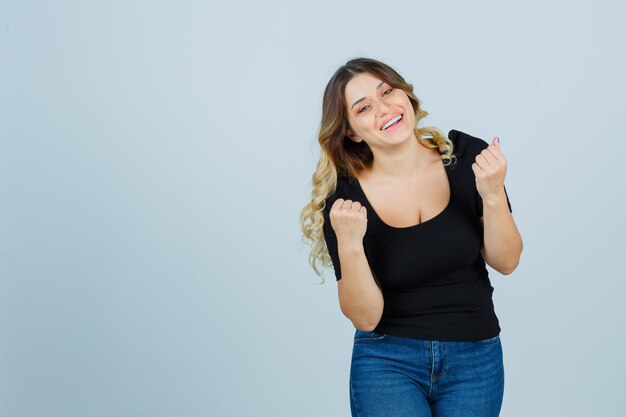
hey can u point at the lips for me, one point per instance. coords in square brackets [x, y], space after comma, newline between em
[389, 118]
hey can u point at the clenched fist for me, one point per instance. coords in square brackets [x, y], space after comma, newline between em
[490, 170]
[349, 221]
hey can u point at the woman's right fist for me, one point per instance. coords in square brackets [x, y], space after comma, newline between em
[349, 220]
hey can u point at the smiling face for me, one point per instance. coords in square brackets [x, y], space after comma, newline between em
[370, 104]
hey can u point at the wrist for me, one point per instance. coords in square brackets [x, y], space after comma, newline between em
[350, 247]
[496, 199]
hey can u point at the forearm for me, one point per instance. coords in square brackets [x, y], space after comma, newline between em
[360, 297]
[502, 241]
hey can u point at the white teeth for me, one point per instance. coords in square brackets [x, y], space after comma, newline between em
[392, 121]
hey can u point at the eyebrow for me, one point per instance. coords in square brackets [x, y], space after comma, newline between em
[363, 98]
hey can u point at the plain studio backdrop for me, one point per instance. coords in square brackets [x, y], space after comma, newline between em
[155, 156]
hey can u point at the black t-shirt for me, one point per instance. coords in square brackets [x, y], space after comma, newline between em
[433, 277]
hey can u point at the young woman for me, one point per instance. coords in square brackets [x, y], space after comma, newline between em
[409, 218]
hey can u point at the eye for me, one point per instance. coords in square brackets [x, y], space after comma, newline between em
[367, 105]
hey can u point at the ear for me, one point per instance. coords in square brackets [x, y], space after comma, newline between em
[353, 137]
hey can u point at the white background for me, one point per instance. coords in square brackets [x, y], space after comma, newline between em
[155, 156]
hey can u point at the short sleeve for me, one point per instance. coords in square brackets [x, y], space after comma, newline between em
[331, 238]
[479, 203]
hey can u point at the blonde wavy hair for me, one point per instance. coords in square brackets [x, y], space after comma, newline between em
[341, 156]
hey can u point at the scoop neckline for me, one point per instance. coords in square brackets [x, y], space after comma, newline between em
[414, 226]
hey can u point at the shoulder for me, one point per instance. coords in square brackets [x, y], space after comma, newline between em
[466, 144]
[345, 189]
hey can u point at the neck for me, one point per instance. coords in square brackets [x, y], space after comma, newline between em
[403, 162]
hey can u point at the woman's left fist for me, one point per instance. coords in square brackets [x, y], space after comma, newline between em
[490, 170]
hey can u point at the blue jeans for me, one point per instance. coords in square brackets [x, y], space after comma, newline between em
[404, 377]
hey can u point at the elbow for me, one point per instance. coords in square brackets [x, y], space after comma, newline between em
[365, 320]
[363, 309]
[366, 328]
[504, 269]
[512, 265]
[366, 323]
[508, 269]
[369, 327]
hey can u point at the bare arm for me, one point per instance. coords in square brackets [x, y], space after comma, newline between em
[360, 296]
[502, 246]
[502, 243]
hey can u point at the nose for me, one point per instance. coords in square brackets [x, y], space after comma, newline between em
[383, 107]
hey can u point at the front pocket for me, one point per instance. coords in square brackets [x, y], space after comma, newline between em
[368, 337]
[495, 339]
